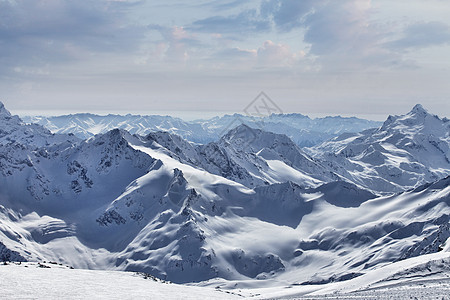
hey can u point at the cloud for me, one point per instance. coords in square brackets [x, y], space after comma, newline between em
[338, 26]
[226, 5]
[236, 26]
[271, 54]
[37, 32]
[340, 33]
[422, 35]
[287, 14]
[237, 54]
[175, 45]
[268, 55]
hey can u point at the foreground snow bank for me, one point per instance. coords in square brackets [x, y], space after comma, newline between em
[49, 281]
[423, 277]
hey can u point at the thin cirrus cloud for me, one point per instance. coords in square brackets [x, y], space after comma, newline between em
[422, 35]
[267, 55]
[235, 26]
[288, 14]
[272, 54]
[226, 5]
[37, 33]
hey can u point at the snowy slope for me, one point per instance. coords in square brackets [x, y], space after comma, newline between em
[25, 281]
[424, 277]
[405, 152]
[336, 243]
[301, 129]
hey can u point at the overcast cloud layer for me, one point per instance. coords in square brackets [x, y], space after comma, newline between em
[311, 56]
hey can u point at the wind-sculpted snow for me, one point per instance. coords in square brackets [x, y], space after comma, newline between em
[248, 210]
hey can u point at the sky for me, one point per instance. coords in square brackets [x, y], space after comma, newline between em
[317, 57]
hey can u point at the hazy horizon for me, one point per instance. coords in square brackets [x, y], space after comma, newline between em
[192, 115]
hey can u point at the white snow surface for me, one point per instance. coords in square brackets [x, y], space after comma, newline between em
[50, 281]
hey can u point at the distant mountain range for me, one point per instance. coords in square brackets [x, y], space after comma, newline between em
[251, 208]
[303, 130]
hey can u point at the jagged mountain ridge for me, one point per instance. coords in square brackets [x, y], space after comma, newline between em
[255, 162]
[40, 166]
[405, 152]
[301, 129]
[171, 218]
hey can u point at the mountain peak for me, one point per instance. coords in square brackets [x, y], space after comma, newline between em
[4, 111]
[417, 115]
[112, 137]
[418, 109]
[242, 131]
[243, 127]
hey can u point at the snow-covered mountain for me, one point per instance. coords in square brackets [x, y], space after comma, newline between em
[248, 156]
[405, 152]
[250, 209]
[301, 129]
[86, 125]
